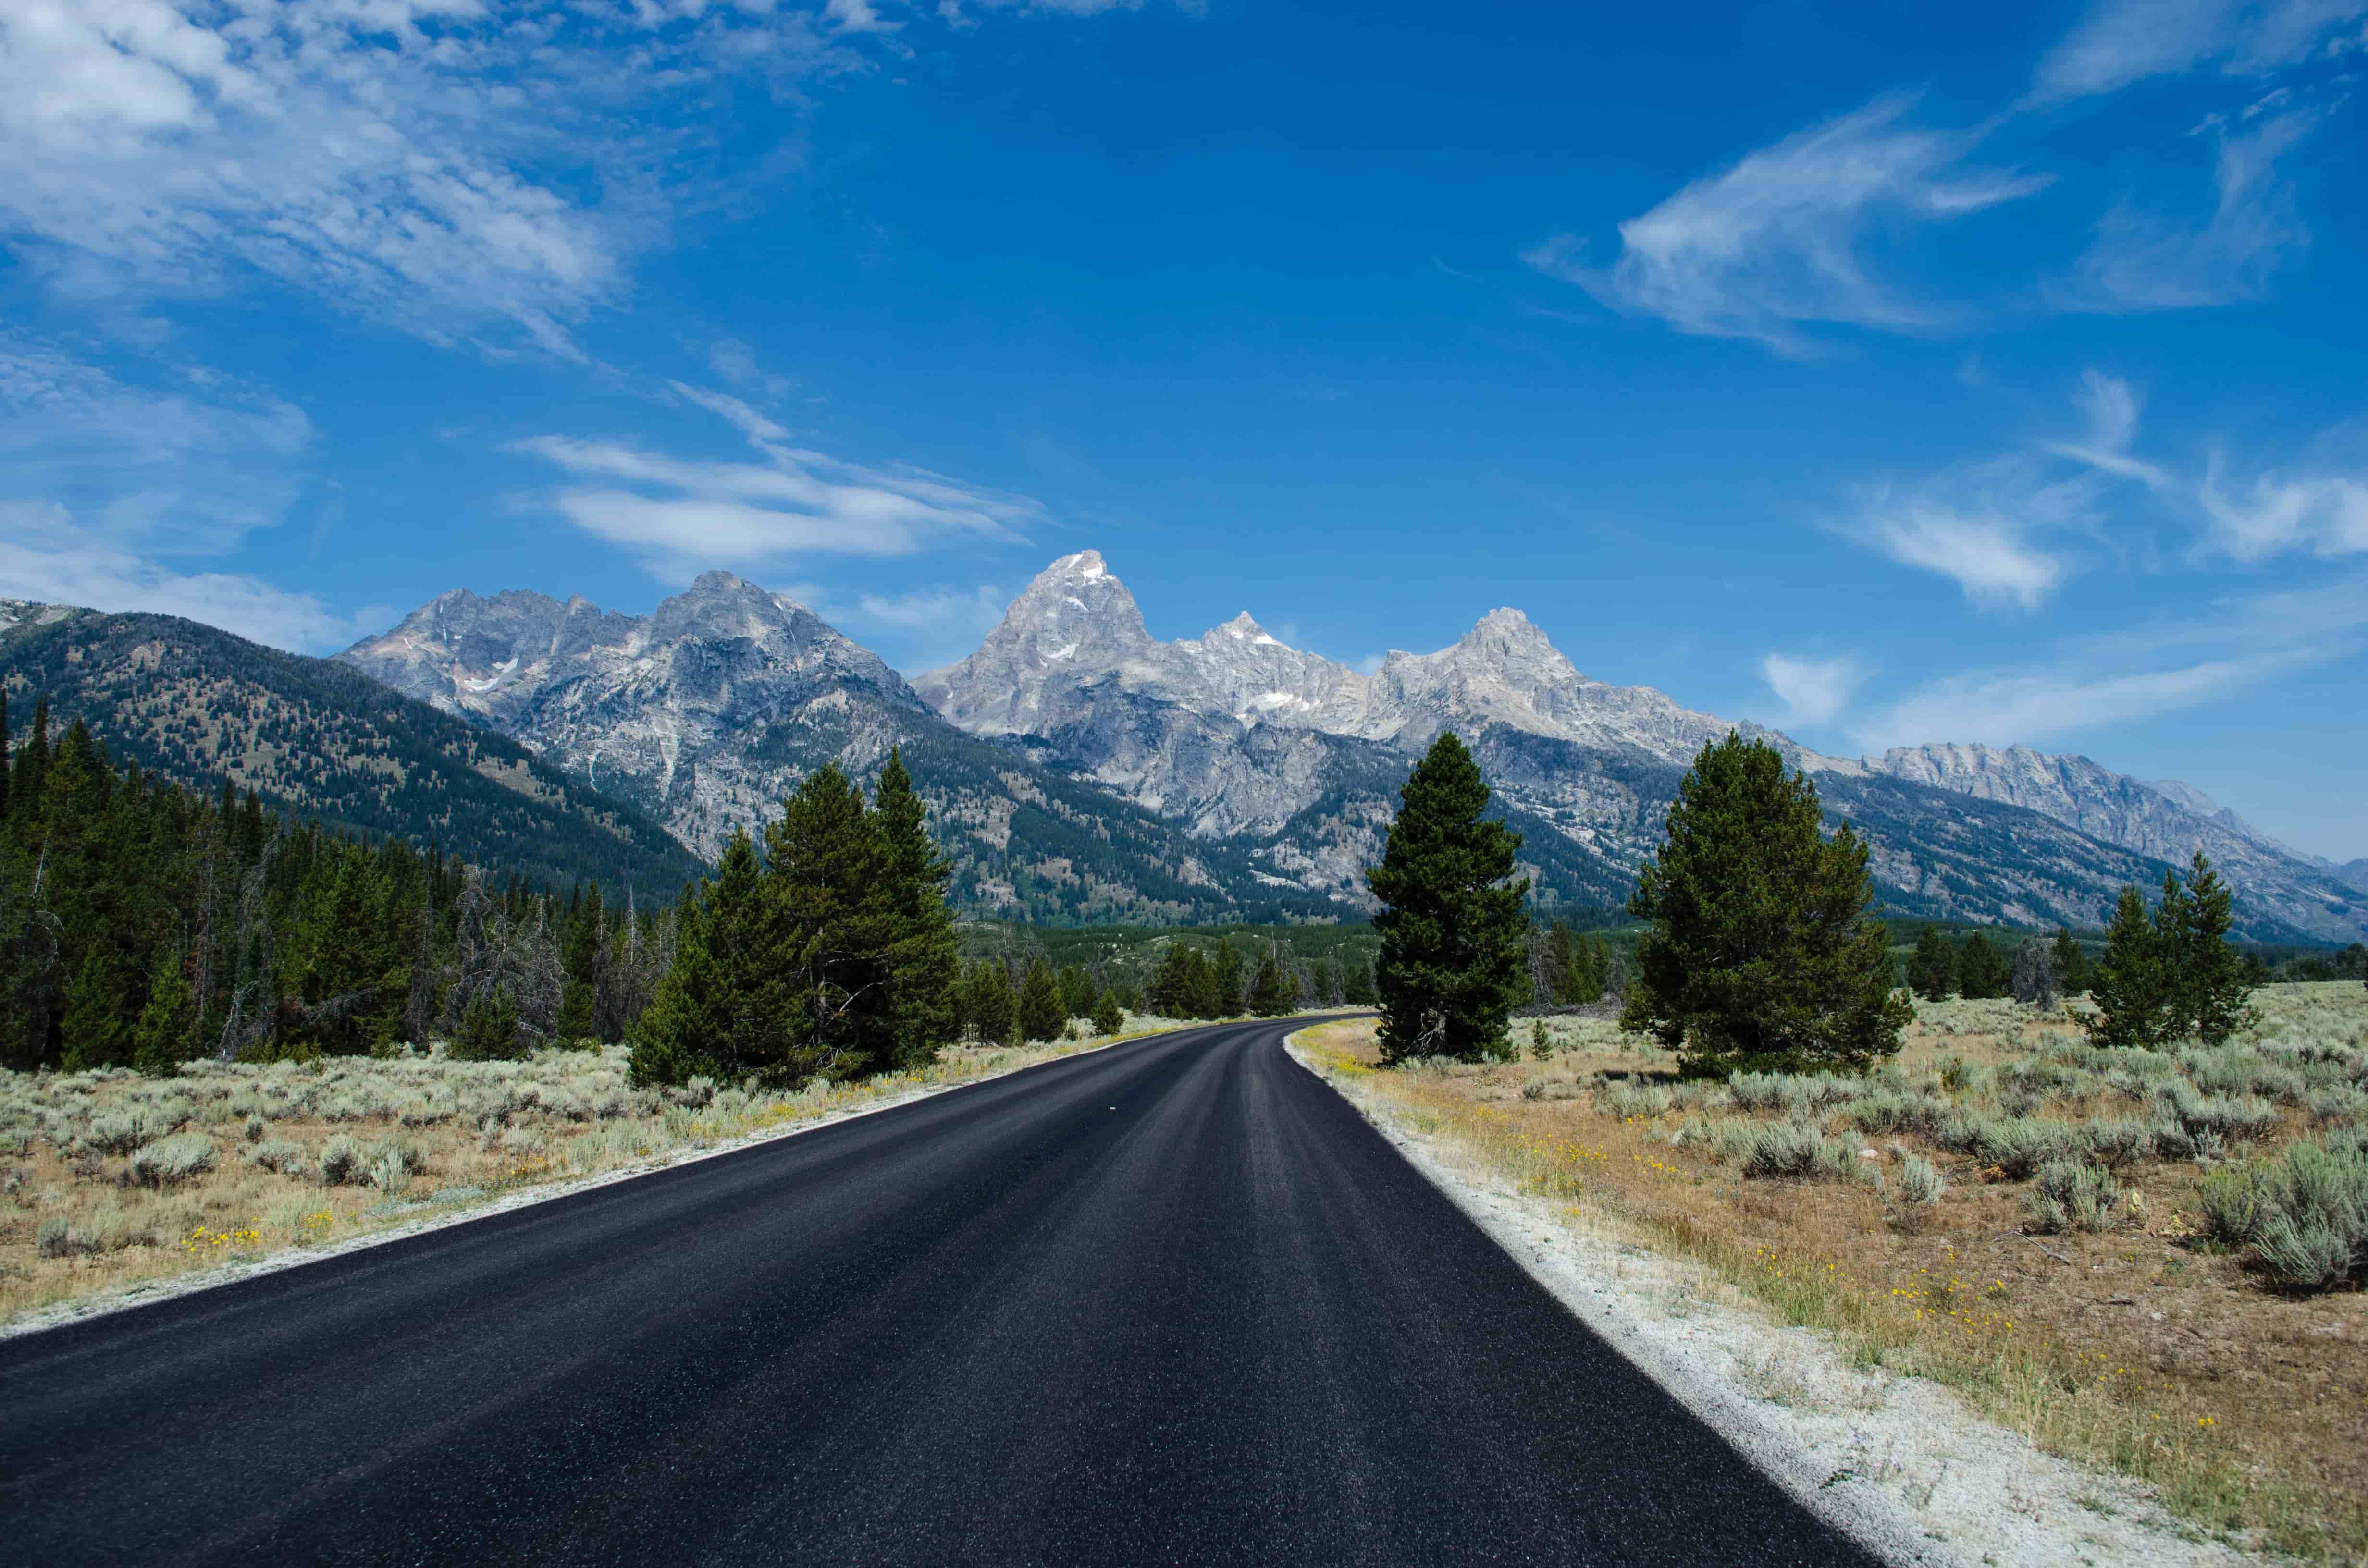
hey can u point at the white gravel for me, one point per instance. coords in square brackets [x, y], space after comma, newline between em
[1897, 1462]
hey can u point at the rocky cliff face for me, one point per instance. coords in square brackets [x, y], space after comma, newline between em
[1237, 737]
[711, 709]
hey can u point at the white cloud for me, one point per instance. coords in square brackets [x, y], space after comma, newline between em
[1814, 691]
[46, 555]
[1976, 525]
[2325, 514]
[1781, 239]
[2216, 651]
[2113, 407]
[2005, 710]
[2141, 261]
[2124, 41]
[741, 417]
[680, 517]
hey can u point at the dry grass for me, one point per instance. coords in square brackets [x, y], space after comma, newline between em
[2140, 1344]
[109, 1180]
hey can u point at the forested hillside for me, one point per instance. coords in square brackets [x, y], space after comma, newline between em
[316, 739]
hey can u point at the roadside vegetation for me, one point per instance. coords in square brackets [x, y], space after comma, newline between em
[2122, 1205]
[111, 1179]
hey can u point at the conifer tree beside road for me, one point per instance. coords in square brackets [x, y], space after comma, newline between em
[1762, 953]
[1455, 936]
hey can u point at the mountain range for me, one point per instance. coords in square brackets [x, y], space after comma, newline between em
[1080, 769]
[313, 738]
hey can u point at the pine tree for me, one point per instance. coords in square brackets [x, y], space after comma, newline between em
[727, 1005]
[580, 950]
[1982, 973]
[1227, 976]
[828, 882]
[2071, 963]
[1593, 971]
[1107, 1017]
[1451, 920]
[100, 1009]
[924, 961]
[2130, 986]
[161, 1040]
[2209, 983]
[1041, 1016]
[1932, 967]
[1272, 994]
[1358, 990]
[1762, 952]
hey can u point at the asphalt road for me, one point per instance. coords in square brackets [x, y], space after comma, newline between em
[1170, 1303]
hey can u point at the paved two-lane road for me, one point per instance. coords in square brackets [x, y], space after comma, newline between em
[1173, 1302]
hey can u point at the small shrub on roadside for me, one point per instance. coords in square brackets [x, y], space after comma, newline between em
[2305, 1213]
[176, 1158]
[2072, 1195]
[340, 1161]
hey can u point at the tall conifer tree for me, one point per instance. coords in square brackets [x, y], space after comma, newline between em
[924, 963]
[1762, 951]
[1453, 957]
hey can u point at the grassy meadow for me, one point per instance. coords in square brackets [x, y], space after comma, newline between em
[2074, 1238]
[110, 1181]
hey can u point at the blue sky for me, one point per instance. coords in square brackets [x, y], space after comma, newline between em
[1887, 373]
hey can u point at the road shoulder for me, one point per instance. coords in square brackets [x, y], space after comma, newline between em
[1898, 1463]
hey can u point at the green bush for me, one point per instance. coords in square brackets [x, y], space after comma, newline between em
[2071, 1195]
[1788, 1149]
[2305, 1213]
[172, 1159]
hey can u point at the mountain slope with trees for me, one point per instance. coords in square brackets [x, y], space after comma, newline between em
[316, 738]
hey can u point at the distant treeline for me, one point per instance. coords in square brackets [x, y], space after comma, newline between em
[143, 925]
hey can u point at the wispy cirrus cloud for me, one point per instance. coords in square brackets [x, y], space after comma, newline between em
[1983, 526]
[1782, 240]
[681, 516]
[467, 172]
[116, 488]
[2124, 41]
[2219, 651]
[1814, 691]
[2142, 259]
[46, 555]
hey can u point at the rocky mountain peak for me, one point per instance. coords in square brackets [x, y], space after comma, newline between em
[1242, 628]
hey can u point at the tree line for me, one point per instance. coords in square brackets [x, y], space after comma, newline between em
[142, 924]
[1761, 950]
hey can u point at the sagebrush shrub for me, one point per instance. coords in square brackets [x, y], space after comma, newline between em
[2304, 1212]
[2072, 1195]
[175, 1158]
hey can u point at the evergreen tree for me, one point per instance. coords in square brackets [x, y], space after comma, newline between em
[580, 954]
[1762, 952]
[161, 1040]
[2071, 963]
[1982, 972]
[2210, 988]
[1932, 967]
[1593, 971]
[1227, 976]
[1453, 957]
[100, 1008]
[1041, 1016]
[489, 1030]
[1076, 985]
[989, 1005]
[924, 961]
[826, 879]
[1107, 1017]
[1272, 994]
[726, 1006]
[1358, 990]
[2131, 986]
